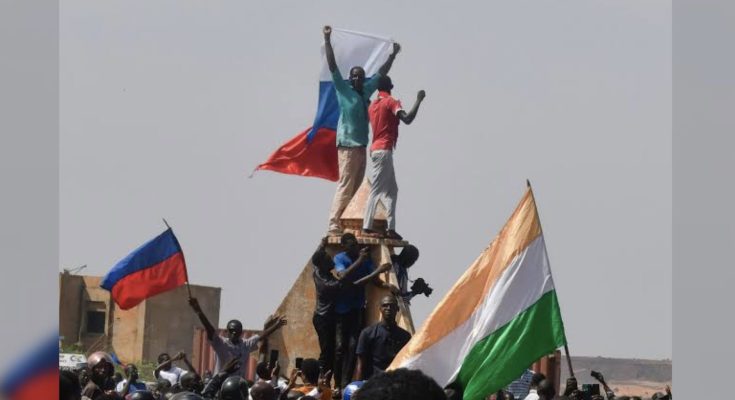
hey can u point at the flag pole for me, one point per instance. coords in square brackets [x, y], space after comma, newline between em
[566, 346]
[186, 272]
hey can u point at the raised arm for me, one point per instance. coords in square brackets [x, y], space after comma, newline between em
[331, 62]
[385, 68]
[194, 303]
[374, 277]
[271, 325]
[407, 118]
[182, 356]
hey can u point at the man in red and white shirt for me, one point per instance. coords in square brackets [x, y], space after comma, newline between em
[385, 114]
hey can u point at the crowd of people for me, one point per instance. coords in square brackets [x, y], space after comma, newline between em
[353, 357]
[352, 361]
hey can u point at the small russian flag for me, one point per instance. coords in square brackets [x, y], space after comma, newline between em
[37, 376]
[155, 267]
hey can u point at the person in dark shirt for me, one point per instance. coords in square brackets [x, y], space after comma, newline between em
[328, 288]
[349, 306]
[379, 343]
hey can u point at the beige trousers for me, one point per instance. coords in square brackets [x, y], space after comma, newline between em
[351, 171]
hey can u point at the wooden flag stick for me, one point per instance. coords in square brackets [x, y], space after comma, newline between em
[186, 272]
[566, 346]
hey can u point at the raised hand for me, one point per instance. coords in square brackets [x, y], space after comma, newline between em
[421, 95]
[275, 371]
[324, 380]
[327, 31]
[179, 356]
[364, 253]
[396, 48]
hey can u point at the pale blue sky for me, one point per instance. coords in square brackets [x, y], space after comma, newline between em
[166, 106]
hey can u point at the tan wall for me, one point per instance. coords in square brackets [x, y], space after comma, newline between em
[164, 323]
[170, 323]
[128, 332]
[70, 301]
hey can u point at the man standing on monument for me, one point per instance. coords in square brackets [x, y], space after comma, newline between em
[385, 114]
[233, 346]
[352, 128]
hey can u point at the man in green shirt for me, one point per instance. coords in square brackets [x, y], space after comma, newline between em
[352, 128]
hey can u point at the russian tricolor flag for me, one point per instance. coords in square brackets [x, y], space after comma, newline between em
[313, 152]
[37, 376]
[153, 268]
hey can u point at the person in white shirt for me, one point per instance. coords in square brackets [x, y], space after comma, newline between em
[168, 371]
[535, 381]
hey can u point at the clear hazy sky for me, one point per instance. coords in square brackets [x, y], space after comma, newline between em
[166, 107]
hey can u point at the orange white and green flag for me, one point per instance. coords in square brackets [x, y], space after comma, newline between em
[498, 319]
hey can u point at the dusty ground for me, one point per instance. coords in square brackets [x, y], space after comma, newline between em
[637, 388]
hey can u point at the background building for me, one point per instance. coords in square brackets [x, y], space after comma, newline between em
[165, 323]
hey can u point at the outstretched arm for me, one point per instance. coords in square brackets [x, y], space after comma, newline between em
[407, 118]
[375, 278]
[194, 303]
[182, 356]
[331, 62]
[385, 68]
[271, 325]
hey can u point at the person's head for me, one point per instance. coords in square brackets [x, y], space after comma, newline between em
[130, 371]
[234, 388]
[400, 384]
[100, 367]
[357, 77]
[546, 390]
[69, 387]
[310, 369]
[191, 382]
[186, 396]
[349, 241]
[117, 378]
[142, 395]
[164, 358]
[408, 256]
[536, 378]
[262, 372]
[163, 386]
[234, 330]
[658, 396]
[263, 391]
[322, 261]
[385, 84]
[389, 309]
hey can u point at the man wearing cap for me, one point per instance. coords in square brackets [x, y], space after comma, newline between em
[380, 343]
[233, 346]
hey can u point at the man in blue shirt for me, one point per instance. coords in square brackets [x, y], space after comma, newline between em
[350, 304]
[352, 128]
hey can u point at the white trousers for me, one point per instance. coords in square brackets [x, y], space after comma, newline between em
[383, 188]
